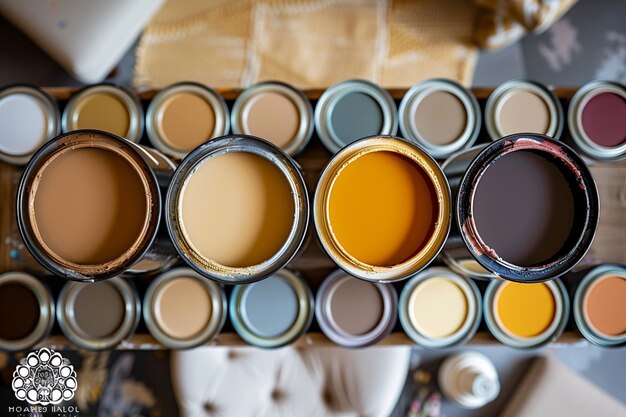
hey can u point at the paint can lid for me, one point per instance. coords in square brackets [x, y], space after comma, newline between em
[329, 325]
[581, 139]
[469, 323]
[19, 140]
[75, 331]
[506, 91]
[215, 295]
[295, 323]
[46, 311]
[370, 95]
[128, 99]
[205, 97]
[417, 96]
[283, 95]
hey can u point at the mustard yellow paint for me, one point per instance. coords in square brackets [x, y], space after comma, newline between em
[382, 208]
[525, 310]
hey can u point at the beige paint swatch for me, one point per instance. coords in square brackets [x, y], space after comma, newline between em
[522, 111]
[438, 307]
[237, 209]
[183, 308]
[186, 120]
[440, 118]
[273, 117]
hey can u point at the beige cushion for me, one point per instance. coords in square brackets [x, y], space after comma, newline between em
[242, 382]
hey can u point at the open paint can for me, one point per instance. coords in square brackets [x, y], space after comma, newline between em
[237, 209]
[105, 107]
[597, 120]
[276, 112]
[88, 205]
[355, 313]
[527, 208]
[600, 307]
[520, 106]
[441, 116]
[351, 110]
[439, 308]
[183, 309]
[526, 315]
[100, 315]
[28, 118]
[27, 311]
[273, 312]
[183, 116]
[382, 209]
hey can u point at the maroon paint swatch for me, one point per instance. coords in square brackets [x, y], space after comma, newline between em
[604, 119]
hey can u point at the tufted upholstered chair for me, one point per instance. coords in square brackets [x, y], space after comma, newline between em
[312, 382]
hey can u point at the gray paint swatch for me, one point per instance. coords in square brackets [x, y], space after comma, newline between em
[270, 307]
[356, 115]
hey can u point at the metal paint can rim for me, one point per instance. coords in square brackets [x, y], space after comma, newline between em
[488, 259]
[69, 141]
[434, 245]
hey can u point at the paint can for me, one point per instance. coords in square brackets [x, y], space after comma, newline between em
[183, 116]
[597, 120]
[439, 308]
[28, 118]
[351, 110]
[276, 112]
[27, 311]
[88, 205]
[98, 316]
[273, 312]
[237, 209]
[526, 315]
[105, 107]
[527, 208]
[355, 313]
[382, 209]
[521, 106]
[441, 116]
[183, 309]
[599, 308]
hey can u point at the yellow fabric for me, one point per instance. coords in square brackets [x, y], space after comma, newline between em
[315, 43]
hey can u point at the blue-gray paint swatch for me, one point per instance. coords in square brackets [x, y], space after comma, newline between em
[354, 116]
[270, 307]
